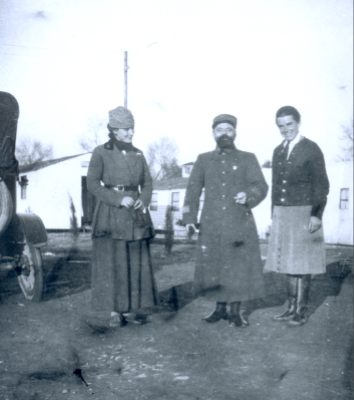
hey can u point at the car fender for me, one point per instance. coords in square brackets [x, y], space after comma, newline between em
[33, 229]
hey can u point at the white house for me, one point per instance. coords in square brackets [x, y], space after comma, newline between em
[48, 188]
[338, 215]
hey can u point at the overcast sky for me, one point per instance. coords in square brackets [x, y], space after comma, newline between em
[189, 61]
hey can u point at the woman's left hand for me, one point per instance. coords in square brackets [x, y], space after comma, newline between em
[139, 205]
[315, 224]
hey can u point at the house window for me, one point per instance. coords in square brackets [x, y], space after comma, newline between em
[23, 184]
[188, 169]
[201, 201]
[153, 202]
[344, 199]
[175, 201]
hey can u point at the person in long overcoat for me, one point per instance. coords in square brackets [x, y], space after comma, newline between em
[123, 286]
[299, 195]
[228, 262]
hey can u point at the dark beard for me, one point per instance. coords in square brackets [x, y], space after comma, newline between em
[225, 142]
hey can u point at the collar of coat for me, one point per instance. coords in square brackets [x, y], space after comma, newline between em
[110, 145]
[219, 150]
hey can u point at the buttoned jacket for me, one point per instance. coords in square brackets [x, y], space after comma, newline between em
[302, 178]
[110, 166]
[223, 174]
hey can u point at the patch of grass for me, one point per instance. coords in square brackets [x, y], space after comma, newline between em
[61, 245]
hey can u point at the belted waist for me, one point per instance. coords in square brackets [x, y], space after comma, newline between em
[122, 188]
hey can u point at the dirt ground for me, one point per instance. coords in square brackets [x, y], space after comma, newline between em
[175, 356]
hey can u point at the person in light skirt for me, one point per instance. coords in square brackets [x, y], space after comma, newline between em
[299, 195]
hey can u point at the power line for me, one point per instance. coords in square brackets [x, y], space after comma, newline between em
[136, 54]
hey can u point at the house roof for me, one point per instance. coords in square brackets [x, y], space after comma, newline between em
[42, 164]
[188, 163]
[170, 184]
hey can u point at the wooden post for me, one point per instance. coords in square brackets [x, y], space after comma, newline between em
[126, 79]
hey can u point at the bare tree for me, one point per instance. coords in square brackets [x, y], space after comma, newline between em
[171, 170]
[347, 142]
[161, 157]
[267, 164]
[95, 134]
[29, 151]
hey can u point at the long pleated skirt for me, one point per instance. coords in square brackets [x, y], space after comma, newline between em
[292, 249]
[122, 276]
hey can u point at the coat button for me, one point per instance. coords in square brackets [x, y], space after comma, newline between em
[283, 190]
[284, 181]
[223, 208]
[223, 172]
[282, 199]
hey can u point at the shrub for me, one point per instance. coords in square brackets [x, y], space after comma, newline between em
[74, 226]
[169, 230]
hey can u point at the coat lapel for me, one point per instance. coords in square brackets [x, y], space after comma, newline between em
[120, 161]
[295, 150]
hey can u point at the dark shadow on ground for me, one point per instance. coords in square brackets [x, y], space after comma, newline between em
[176, 297]
[322, 286]
[66, 276]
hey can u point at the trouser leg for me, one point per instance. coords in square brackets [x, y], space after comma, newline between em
[291, 282]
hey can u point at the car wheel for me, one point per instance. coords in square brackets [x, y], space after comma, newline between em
[6, 206]
[30, 273]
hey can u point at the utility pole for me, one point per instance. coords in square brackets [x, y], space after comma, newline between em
[126, 79]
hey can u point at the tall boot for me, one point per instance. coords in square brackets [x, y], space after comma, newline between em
[302, 297]
[238, 315]
[218, 314]
[291, 281]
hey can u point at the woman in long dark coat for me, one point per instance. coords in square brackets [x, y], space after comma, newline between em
[123, 287]
[299, 195]
[228, 265]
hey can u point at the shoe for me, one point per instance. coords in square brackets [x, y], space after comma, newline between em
[238, 316]
[297, 320]
[235, 321]
[290, 312]
[116, 320]
[218, 314]
[136, 319]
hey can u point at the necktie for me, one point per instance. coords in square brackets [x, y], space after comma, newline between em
[286, 149]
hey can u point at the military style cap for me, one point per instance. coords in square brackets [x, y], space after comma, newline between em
[222, 118]
[121, 117]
